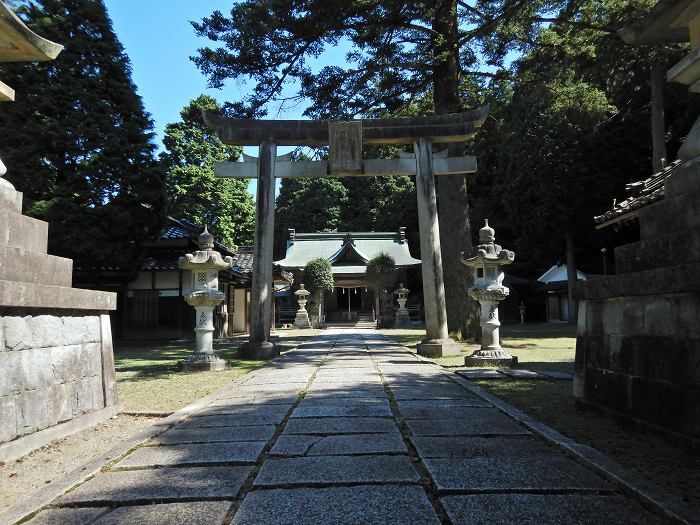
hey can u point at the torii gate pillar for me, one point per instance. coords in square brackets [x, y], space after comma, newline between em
[437, 342]
[259, 345]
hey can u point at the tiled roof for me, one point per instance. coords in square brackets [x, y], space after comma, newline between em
[334, 245]
[642, 193]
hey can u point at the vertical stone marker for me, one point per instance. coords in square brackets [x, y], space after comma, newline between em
[204, 265]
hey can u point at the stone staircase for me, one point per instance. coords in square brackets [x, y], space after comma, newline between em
[363, 320]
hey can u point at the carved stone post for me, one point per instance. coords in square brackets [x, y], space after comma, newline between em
[259, 345]
[401, 318]
[302, 318]
[437, 343]
[204, 265]
[486, 259]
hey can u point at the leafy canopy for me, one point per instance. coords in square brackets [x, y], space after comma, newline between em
[318, 275]
[381, 272]
[78, 142]
[191, 149]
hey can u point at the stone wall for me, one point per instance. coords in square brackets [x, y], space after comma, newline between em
[51, 370]
[640, 356]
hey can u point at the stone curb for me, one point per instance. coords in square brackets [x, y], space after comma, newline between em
[648, 493]
[50, 492]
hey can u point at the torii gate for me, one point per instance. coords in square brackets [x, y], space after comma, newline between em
[345, 140]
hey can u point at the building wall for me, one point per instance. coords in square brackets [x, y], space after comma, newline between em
[240, 323]
[53, 368]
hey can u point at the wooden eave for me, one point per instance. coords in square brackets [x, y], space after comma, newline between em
[18, 43]
[625, 217]
[666, 22]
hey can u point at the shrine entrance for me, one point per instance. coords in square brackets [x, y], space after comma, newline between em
[345, 141]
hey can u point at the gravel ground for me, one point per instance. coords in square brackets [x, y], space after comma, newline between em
[20, 478]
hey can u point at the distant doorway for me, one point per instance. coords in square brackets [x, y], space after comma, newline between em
[348, 297]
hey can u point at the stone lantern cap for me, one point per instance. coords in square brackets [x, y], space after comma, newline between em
[302, 291]
[206, 258]
[401, 290]
[488, 251]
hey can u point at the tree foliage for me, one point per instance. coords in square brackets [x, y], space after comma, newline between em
[191, 149]
[77, 141]
[381, 272]
[318, 275]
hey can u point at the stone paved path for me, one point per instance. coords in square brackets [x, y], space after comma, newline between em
[348, 429]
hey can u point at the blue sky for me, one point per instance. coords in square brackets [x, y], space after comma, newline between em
[159, 40]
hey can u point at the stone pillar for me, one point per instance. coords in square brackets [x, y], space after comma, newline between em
[401, 317]
[486, 259]
[437, 343]
[259, 345]
[302, 318]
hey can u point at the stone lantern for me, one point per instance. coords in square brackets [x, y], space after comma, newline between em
[302, 318]
[204, 265]
[487, 260]
[401, 318]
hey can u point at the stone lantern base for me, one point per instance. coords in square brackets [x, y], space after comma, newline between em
[258, 350]
[199, 362]
[485, 359]
[302, 320]
[438, 348]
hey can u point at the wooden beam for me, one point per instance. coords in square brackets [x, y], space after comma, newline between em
[372, 168]
[455, 127]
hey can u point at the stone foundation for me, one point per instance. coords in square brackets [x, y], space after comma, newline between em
[638, 344]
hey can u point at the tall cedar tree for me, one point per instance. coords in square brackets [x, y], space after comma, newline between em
[400, 52]
[191, 149]
[78, 142]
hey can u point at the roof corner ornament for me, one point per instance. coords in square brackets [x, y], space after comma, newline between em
[348, 239]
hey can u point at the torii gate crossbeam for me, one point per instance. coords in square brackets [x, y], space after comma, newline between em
[345, 140]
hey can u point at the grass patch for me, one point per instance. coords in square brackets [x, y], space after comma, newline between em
[550, 347]
[149, 380]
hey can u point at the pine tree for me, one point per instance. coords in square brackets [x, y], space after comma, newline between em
[193, 192]
[78, 142]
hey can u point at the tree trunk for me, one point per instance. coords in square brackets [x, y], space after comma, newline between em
[453, 203]
[571, 276]
[658, 126]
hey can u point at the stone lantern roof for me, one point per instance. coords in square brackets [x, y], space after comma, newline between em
[302, 291]
[401, 290]
[487, 251]
[206, 258]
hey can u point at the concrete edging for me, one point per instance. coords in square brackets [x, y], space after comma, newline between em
[50, 492]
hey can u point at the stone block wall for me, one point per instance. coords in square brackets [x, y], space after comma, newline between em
[640, 356]
[638, 344]
[51, 370]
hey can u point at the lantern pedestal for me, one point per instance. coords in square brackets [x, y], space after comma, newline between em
[205, 265]
[487, 260]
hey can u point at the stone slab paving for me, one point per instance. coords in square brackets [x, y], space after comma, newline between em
[159, 484]
[571, 509]
[338, 445]
[240, 452]
[347, 429]
[215, 434]
[338, 506]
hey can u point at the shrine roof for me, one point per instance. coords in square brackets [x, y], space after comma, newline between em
[348, 252]
[667, 21]
[641, 193]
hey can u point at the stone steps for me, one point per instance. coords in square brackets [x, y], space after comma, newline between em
[17, 264]
[20, 231]
[10, 199]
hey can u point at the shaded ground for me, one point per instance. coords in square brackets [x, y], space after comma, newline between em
[347, 429]
[18, 479]
[553, 347]
[148, 378]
